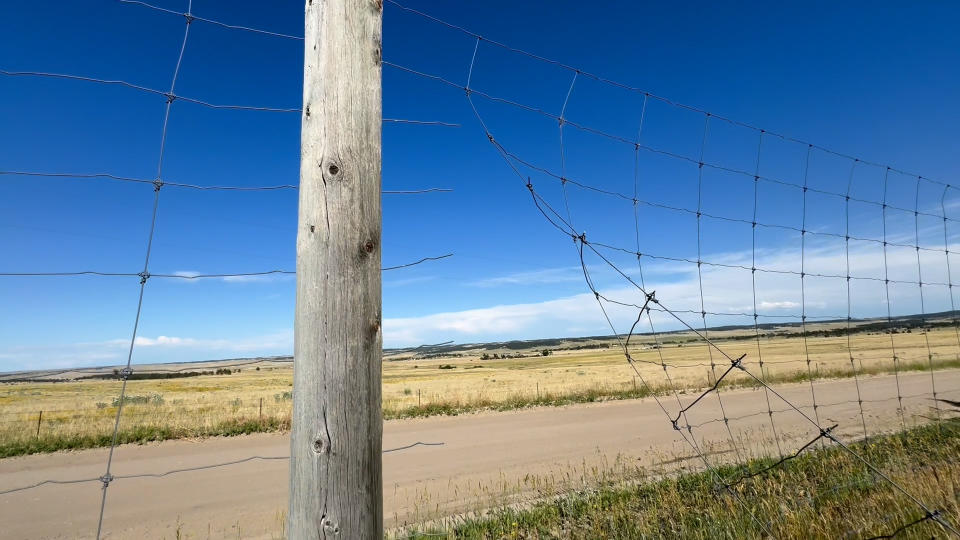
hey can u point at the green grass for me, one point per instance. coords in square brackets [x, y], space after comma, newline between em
[519, 401]
[844, 373]
[592, 395]
[139, 434]
[823, 493]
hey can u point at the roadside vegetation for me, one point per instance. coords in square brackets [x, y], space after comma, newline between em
[823, 493]
[70, 415]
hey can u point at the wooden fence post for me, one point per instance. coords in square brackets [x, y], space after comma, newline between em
[39, 419]
[336, 486]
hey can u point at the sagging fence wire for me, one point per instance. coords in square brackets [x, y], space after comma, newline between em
[190, 276]
[581, 241]
[111, 478]
[108, 176]
[172, 97]
[564, 224]
[650, 297]
[555, 219]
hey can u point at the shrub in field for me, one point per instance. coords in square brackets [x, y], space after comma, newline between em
[156, 399]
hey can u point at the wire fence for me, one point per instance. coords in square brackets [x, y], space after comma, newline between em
[144, 276]
[560, 217]
[613, 265]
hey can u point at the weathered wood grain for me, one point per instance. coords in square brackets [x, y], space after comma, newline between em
[335, 468]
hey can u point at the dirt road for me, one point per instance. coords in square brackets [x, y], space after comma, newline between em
[483, 458]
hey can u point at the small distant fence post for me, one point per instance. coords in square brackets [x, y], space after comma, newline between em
[39, 419]
[336, 485]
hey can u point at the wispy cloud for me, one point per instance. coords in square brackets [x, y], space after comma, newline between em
[146, 350]
[402, 282]
[260, 278]
[728, 292]
[568, 274]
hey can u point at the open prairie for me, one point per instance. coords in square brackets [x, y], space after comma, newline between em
[488, 460]
[71, 410]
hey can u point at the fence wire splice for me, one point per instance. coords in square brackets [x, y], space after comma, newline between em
[824, 433]
[934, 515]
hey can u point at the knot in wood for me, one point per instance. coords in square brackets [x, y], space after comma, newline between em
[320, 445]
[330, 527]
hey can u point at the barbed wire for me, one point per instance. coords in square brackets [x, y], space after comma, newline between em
[934, 515]
[824, 433]
[649, 297]
[581, 243]
[555, 219]
[565, 226]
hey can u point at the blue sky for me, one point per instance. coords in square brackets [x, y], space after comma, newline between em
[871, 80]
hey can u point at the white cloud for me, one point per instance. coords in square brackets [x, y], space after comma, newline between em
[164, 341]
[407, 281]
[259, 278]
[544, 276]
[725, 291]
[252, 279]
[146, 350]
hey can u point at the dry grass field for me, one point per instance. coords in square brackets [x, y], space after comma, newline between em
[81, 413]
[823, 493]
